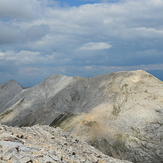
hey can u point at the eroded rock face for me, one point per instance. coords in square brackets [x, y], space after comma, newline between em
[118, 113]
[43, 144]
[31, 102]
[128, 124]
[8, 91]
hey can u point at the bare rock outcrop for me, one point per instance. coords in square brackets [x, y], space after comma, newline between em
[43, 144]
[8, 92]
[118, 113]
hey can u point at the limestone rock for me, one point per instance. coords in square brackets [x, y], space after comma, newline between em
[8, 91]
[118, 113]
[43, 144]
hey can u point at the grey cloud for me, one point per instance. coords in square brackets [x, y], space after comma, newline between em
[13, 34]
[95, 46]
[35, 32]
[7, 33]
[26, 9]
[131, 34]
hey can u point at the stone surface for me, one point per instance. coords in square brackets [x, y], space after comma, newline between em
[43, 144]
[118, 113]
[8, 92]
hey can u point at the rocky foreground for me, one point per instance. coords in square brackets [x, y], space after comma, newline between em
[44, 144]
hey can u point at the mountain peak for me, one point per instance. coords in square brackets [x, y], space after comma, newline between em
[116, 112]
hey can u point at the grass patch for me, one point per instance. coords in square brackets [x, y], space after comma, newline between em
[5, 113]
[119, 144]
[89, 123]
[67, 122]
[116, 111]
[61, 117]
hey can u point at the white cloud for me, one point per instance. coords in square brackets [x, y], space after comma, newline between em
[29, 70]
[39, 32]
[62, 70]
[95, 46]
[88, 67]
[150, 32]
[2, 54]
[22, 57]
[26, 9]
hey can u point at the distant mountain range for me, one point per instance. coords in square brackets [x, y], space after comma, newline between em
[119, 113]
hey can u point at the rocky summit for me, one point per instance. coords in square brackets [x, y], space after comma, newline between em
[121, 113]
[43, 144]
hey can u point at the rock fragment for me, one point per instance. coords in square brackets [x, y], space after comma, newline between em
[38, 147]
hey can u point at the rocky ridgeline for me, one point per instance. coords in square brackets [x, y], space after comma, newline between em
[44, 144]
[120, 114]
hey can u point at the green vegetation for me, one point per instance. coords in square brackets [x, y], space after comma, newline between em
[5, 113]
[116, 111]
[89, 123]
[119, 144]
[61, 117]
[102, 144]
[68, 123]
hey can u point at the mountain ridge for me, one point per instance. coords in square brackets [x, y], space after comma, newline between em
[116, 112]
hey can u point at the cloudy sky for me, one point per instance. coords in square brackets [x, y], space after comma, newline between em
[79, 38]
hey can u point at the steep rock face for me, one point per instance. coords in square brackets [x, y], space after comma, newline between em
[8, 92]
[43, 144]
[135, 109]
[125, 118]
[118, 113]
[30, 100]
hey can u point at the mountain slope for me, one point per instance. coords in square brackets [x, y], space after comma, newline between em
[40, 144]
[118, 113]
[28, 101]
[8, 91]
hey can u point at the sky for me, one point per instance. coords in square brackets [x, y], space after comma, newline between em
[79, 38]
